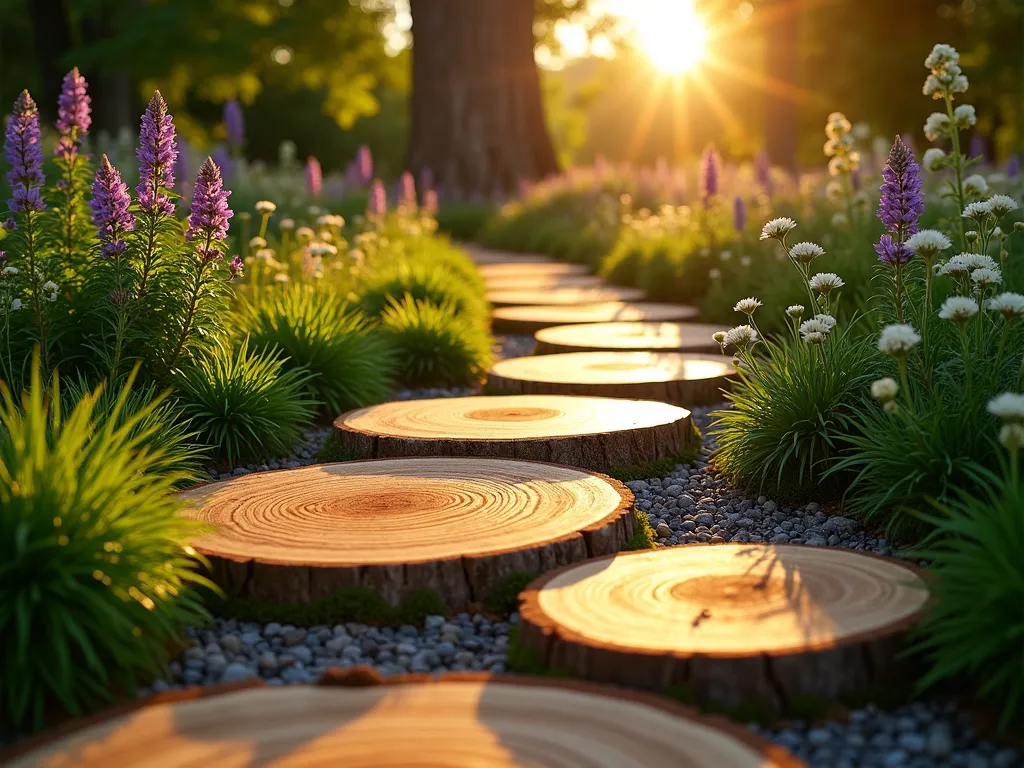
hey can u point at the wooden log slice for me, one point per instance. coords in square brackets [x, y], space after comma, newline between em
[543, 282]
[639, 337]
[731, 624]
[530, 319]
[564, 296]
[590, 432]
[485, 256]
[530, 269]
[356, 719]
[672, 377]
[457, 526]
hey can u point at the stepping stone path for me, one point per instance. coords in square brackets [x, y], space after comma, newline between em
[590, 432]
[673, 377]
[563, 296]
[485, 257]
[530, 269]
[458, 526]
[648, 337]
[530, 319]
[358, 720]
[731, 624]
[544, 282]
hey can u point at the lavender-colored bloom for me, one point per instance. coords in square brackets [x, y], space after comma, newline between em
[10, 224]
[408, 189]
[977, 146]
[208, 221]
[763, 169]
[24, 151]
[739, 214]
[902, 202]
[710, 166]
[73, 114]
[110, 209]
[314, 176]
[1013, 167]
[377, 204]
[157, 153]
[222, 157]
[236, 266]
[234, 122]
[892, 252]
[364, 160]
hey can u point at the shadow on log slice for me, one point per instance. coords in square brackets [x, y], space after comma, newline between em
[729, 624]
[457, 526]
[486, 257]
[589, 432]
[542, 282]
[530, 319]
[357, 719]
[537, 270]
[564, 296]
[672, 377]
[636, 337]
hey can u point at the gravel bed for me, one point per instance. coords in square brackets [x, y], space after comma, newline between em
[513, 346]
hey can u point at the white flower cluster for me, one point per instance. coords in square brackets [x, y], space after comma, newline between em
[305, 233]
[983, 278]
[817, 329]
[1009, 305]
[257, 242]
[265, 207]
[9, 271]
[975, 185]
[897, 340]
[777, 229]
[839, 145]
[330, 220]
[287, 224]
[937, 126]
[928, 243]
[959, 309]
[741, 337]
[747, 306]
[946, 78]
[1009, 407]
[964, 116]
[15, 305]
[805, 253]
[795, 311]
[322, 249]
[884, 389]
[826, 282]
[965, 263]
[934, 159]
[1000, 205]
[49, 289]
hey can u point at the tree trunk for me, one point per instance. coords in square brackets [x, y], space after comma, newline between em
[113, 92]
[52, 37]
[781, 111]
[476, 111]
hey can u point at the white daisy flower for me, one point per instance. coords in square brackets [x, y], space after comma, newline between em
[928, 243]
[287, 224]
[1009, 406]
[305, 233]
[827, 320]
[964, 116]
[934, 159]
[826, 282]
[936, 126]
[747, 306]
[983, 278]
[897, 340]
[814, 337]
[977, 210]
[777, 228]
[958, 309]
[975, 185]
[257, 242]
[322, 249]
[885, 389]
[805, 253]
[1000, 205]
[814, 326]
[719, 337]
[741, 336]
[795, 311]
[265, 206]
[1009, 305]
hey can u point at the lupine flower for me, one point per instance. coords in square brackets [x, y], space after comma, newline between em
[157, 154]
[1000, 205]
[234, 122]
[1013, 167]
[739, 214]
[710, 169]
[314, 176]
[902, 202]
[959, 309]
[208, 221]
[983, 278]
[826, 282]
[364, 162]
[236, 266]
[111, 212]
[430, 204]
[742, 336]
[898, 340]
[891, 252]
[975, 185]
[763, 169]
[776, 229]
[805, 253]
[10, 224]
[73, 114]
[1009, 305]
[378, 200]
[408, 187]
[885, 389]
[747, 306]
[24, 151]
[928, 243]
[795, 311]
[265, 207]
[1009, 406]
[977, 147]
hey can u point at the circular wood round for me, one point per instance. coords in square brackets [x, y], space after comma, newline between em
[358, 720]
[564, 296]
[537, 270]
[530, 319]
[486, 257]
[454, 525]
[673, 377]
[591, 432]
[730, 623]
[649, 337]
[543, 282]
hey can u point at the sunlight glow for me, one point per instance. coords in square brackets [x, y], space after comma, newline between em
[669, 32]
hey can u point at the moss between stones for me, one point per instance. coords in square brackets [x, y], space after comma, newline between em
[659, 467]
[643, 535]
[333, 451]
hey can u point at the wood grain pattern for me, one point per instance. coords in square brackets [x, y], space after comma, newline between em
[590, 432]
[530, 319]
[357, 719]
[732, 623]
[640, 337]
[455, 525]
[684, 379]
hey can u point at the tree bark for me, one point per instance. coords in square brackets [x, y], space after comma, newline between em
[781, 110]
[51, 33]
[477, 119]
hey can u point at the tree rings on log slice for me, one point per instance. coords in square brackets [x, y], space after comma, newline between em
[543, 282]
[530, 269]
[530, 319]
[673, 377]
[590, 432]
[564, 296]
[730, 624]
[638, 337]
[457, 526]
[356, 719]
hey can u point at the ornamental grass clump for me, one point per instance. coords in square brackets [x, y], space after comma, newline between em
[95, 563]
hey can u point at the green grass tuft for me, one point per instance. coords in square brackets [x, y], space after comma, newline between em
[504, 597]
[643, 535]
[658, 467]
[526, 661]
[333, 451]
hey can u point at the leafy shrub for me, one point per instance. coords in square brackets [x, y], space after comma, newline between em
[93, 554]
[350, 365]
[463, 220]
[244, 404]
[435, 345]
[423, 282]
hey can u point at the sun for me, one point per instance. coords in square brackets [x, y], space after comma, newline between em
[670, 33]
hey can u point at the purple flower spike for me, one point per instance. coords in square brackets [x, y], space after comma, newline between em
[408, 185]
[157, 153]
[222, 157]
[364, 159]
[23, 150]
[739, 214]
[1013, 167]
[891, 252]
[709, 173]
[763, 168]
[977, 148]
[314, 176]
[208, 221]
[234, 122]
[110, 209]
[902, 203]
[378, 202]
[236, 266]
[73, 114]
